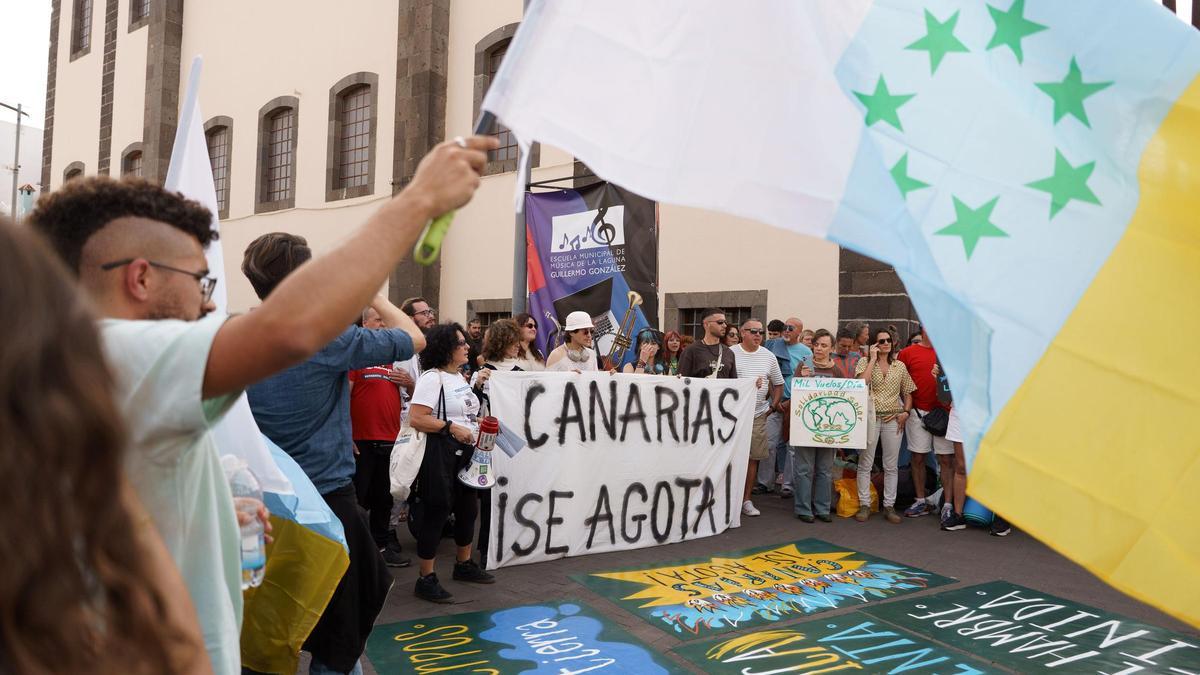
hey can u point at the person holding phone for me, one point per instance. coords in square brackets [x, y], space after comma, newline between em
[891, 389]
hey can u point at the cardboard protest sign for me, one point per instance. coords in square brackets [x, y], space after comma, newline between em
[615, 462]
[829, 412]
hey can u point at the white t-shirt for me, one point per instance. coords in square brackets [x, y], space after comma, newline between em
[462, 406]
[413, 366]
[174, 466]
[759, 363]
[566, 365]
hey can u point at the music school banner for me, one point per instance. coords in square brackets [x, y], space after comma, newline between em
[587, 249]
[615, 462]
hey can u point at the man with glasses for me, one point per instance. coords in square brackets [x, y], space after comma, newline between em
[177, 378]
[753, 361]
[709, 357]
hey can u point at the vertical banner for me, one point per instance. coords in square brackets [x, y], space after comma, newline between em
[588, 248]
[615, 462]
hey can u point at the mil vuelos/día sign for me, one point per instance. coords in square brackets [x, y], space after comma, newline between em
[612, 462]
[829, 412]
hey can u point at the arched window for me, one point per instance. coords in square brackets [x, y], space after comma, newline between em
[131, 160]
[74, 170]
[489, 53]
[278, 123]
[350, 162]
[218, 136]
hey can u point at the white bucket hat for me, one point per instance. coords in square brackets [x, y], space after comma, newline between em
[577, 320]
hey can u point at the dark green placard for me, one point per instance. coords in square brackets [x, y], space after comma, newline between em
[851, 642]
[563, 637]
[707, 596]
[1030, 631]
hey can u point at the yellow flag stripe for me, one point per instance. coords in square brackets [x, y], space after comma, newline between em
[1095, 454]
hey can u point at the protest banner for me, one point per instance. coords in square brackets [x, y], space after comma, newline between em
[562, 638]
[850, 642]
[1030, 631]
[588, 248]
[829, 413]
[763, 585]
[615, 462]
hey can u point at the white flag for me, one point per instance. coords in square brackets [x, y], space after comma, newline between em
[190, 173]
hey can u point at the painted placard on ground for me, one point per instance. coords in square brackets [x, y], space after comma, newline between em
[615, 462]
[752, 587]
[829, 412]
[1030, 631]
[565, 637]
[851, 642]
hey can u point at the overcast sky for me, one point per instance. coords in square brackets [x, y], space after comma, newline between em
[24, 46]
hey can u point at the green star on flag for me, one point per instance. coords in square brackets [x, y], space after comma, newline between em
[905, 182]
[883, 106]
[1069, 94]
[972, 224]
[1012, 27]
[1067, 183]
[939, 40]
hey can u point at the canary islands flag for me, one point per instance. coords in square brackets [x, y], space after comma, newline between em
[1028, 167]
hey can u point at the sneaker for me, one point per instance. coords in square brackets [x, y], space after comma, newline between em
[947, 509]
[393, 558]
[824, 517]
[749, 510]
[954, 521]
[889, 512]
[862, 514]
[785, 492]
[469, 570]
[805, 517]
[918, 509]
[759, 489]
[1000, 527]
[429, 589]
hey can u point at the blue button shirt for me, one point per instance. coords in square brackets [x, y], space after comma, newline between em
[306, 409]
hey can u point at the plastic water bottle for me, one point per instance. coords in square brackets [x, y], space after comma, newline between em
[247, 496]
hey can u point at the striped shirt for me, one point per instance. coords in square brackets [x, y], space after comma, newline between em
[758, 363]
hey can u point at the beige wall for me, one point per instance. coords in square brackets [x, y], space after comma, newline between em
[77, 97]
[269, 51]
[129, 86]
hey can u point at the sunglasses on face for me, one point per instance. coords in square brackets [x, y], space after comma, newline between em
[461, 343]
[884, 341]
[790, 328]
[753, 331]
[531, 325]
[719, 322]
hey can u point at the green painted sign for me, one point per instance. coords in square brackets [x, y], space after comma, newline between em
[1030, 631]
[564, 637]
[731, 591]
[851, 642]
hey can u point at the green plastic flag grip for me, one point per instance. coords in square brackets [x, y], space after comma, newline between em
[429, 244]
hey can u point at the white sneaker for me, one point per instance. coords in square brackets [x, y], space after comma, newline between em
[749, 510]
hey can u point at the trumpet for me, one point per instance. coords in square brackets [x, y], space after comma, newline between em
[624, 337]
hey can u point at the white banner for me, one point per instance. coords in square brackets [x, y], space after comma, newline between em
[829, 412]
[615, 462]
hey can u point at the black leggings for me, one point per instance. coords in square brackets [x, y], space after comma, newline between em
[440, 493]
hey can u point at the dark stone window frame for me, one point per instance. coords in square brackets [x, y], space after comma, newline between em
[134, 22]
[74, 170]
[371, 80]
[264, 133]
[492, 307]
[137, 147]
[484, 49]
[676, 303]
[227, 123]
[78, 32]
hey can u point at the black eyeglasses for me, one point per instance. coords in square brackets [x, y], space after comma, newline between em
[429, 312]
[207, 284]
[719, 322]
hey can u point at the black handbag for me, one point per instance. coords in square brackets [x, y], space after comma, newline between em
[935, 421]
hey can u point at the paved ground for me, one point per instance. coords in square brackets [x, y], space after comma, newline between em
[971, 556]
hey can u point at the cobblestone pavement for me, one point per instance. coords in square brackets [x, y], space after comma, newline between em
[971, 556]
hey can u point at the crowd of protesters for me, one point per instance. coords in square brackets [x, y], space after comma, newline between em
[138, 569]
